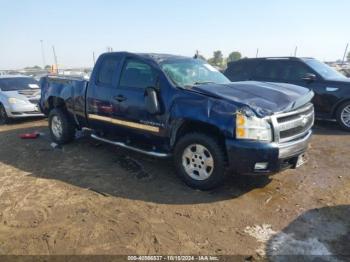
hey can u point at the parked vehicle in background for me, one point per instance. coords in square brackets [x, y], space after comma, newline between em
[164, 105]
[19, 97]
[332, 89]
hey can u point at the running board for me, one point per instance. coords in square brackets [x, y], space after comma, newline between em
[150, 153]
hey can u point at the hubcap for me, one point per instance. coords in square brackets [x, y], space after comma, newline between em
[56, 126]
[345, 116]
[198, 162]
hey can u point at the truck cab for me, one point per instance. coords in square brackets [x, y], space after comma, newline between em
[179, 107]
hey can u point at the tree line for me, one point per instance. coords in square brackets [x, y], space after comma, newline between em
[219, 60]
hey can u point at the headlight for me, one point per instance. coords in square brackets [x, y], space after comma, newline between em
[13, 100]
[252, 128]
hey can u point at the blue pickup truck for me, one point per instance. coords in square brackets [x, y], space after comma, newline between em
[166, 105]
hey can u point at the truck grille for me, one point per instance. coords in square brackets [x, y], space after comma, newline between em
[294, 124]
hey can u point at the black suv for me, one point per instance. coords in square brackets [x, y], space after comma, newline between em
[332, 89]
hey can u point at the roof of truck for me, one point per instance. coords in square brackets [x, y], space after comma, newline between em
[158, 58]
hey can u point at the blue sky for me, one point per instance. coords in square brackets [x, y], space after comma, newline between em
[319, 28]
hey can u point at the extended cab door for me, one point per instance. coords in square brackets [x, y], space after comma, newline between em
[130, 111]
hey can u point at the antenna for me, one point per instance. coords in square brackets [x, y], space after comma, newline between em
[346, 50]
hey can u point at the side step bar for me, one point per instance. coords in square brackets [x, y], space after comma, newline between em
[150, 153]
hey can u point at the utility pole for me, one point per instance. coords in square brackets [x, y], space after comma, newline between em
[55, 58]
[43, 53]
[295, 51]
[93, 58]
[257, 53]
[346, 50]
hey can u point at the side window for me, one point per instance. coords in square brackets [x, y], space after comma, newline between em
[107, 70]
[137, 74]
[238, 71]
[268, 70]
[293, 71]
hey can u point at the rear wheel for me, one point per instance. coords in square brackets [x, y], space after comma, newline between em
[343, 115]
[3, 115]
[200, 161]
[62, 129]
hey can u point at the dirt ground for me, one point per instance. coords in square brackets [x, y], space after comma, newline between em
[92, 198]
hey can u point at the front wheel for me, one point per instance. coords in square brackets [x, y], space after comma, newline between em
[62, 129]
[3, 115]
[343, 116]
[200, 161]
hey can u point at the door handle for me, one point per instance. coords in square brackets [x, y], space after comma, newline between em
[120, 98]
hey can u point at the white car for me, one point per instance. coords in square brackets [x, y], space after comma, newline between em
[19, 97]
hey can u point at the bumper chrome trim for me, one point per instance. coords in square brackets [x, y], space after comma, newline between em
[294, 147]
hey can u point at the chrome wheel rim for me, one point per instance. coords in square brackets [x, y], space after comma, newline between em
[198, 162]
[345, 116]
[56, 126]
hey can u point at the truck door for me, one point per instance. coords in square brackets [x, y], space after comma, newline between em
[291, 72]
[100, 92]
[294, 72]
[130, 112]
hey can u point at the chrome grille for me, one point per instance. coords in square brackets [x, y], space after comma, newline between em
[294, 124]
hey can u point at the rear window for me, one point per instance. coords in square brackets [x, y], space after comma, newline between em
[18, 83]
[107, 71]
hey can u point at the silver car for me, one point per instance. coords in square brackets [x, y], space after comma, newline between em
[19, 97]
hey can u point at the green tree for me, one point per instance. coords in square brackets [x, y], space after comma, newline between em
[47, 67]
[217, 59]
[234, 56]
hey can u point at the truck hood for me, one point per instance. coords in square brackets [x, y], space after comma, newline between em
[262, 97]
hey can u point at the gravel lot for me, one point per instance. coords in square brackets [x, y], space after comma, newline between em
[92, 198]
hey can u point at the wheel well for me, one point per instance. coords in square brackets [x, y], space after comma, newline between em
[54, 102]
[337, 107]
[200, 127]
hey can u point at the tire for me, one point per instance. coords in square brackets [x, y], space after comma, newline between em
[200, 161]
[3, 115]
[62, 128]
[343, 116]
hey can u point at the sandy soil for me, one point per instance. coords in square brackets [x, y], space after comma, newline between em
[92, 198]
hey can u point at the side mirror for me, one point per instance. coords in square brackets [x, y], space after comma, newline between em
[309, 77]
[151, 100]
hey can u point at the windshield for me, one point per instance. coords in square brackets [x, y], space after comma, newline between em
[18, 83]
[191, 72]
[324, 70]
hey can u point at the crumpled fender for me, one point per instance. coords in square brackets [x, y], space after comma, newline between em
[204, 109]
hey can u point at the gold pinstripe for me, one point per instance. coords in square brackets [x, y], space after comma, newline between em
[124, 123]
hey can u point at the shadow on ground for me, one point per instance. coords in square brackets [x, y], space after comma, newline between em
[328, 128]
[321, 234]
[111, 171]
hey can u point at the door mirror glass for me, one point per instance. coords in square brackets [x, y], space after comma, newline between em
[151, 100]
[309, 77]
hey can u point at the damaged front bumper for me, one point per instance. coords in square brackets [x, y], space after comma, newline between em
[249, 157]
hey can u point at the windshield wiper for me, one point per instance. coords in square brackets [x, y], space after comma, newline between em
[203, 83]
